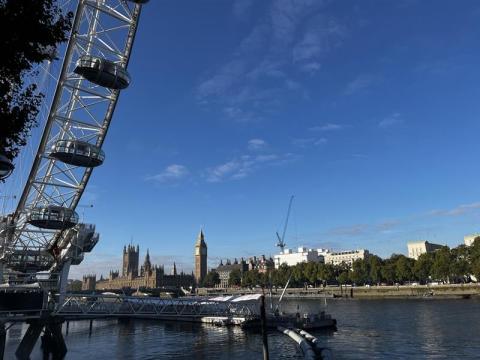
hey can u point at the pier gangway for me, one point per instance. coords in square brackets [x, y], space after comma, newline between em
[50, 313]
[78, 307]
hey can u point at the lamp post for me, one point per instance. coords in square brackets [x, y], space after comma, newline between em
[6, 167]
[83, 211]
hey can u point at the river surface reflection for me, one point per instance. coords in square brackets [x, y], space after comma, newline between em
[367, 329]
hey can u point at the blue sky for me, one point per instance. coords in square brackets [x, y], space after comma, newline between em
[366, 111]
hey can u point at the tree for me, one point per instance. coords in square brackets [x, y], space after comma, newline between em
[75, 286]
[343, 277]
[30, 31]
[235, 278]
[343, 273]
[280, 276]
[403, 268]
[298, 274]
[375, 269]
[388, 270]
[251, 278]
[423, 267]
[475, 258]
[211, 279]
[310, 272]
[441, 264]
[360, 271]
[460, 265]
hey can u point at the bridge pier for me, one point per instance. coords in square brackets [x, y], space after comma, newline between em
[3, 338]
[29, 340]
[53, 342]
[52, 339]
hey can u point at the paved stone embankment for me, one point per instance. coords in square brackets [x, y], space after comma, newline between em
[364, 292]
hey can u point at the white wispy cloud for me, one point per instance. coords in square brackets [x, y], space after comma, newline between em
[391, 120]
[327, 127]
[293, 36]
[322, 36]
[170, 173]
[461, 209]
[360, 83]
[307, 142]
[256, 144]
[350, 230]
[242, 166]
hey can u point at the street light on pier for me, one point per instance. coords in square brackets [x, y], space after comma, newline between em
[83, 210]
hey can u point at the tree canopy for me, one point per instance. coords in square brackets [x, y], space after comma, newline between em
[450, 265]
[30, 31]
[211, 279]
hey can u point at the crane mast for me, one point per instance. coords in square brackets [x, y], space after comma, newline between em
[281, 240]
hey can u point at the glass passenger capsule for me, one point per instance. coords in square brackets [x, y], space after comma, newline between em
[6, 167]
[78, 153]
[53, 217]
[102, 72]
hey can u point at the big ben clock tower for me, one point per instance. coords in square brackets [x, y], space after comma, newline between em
[200, 258]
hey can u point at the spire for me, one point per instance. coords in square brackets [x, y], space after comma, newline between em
[147, 265]
[174, 268]
[200, 238]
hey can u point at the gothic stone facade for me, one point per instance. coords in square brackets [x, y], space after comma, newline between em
[88, 282]
[150, 276]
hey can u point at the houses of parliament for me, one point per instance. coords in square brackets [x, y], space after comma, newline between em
[150, 276]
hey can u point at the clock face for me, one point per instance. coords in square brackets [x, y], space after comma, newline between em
[197, 251]
[204, 251]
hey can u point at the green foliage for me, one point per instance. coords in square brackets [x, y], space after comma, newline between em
[388, 271]
[30, 33]
[235, 278]
[423, 267]
[211, 279]
[376, 265]
[475, 258]
[360, 273]
[460, 265]
[446, 264]
[75, 286]
[441, 264]
[404, 268]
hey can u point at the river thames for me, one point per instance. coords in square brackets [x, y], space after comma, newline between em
[367, 329]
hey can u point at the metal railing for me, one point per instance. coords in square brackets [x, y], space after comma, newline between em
[130, 306]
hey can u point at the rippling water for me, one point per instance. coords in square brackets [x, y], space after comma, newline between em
[367, 329]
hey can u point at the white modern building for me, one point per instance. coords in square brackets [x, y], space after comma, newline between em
[303, 254]
[347, 257]
[468, 239]
[417, 248]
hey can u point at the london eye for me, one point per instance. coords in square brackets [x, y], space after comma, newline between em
[43, 234]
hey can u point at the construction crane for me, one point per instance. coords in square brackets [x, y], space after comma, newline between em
[281, 240]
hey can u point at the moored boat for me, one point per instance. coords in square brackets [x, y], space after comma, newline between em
[302, 321]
